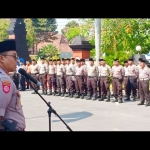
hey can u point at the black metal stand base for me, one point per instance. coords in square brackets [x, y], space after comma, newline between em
[50, 110]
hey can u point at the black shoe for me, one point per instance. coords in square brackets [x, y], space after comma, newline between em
[58, 94]
[94, 98]
[27, 88]
[141, 103]
[101, 99]
[108, 99]
[50, 93]
[127, 99]
[62, 95]
[134, 99]
[147, 104]
[67, 95]
[71, 95]
[22, 90]
[54, 93]
[88, 97]
[120, 101]
[82, 96]
[116, 100]
[77, 95]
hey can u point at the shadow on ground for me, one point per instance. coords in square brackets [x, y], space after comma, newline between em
[74, 116]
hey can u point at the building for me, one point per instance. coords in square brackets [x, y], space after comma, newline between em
[60, 42]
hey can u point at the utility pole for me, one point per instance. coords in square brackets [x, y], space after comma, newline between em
[97, 39]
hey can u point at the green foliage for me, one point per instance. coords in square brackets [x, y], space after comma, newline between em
[44, 24]
[49, 51]
[121, 36]
[4, 25]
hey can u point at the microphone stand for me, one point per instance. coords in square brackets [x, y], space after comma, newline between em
[50, 110]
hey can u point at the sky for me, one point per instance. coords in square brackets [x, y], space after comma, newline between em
[62, 22]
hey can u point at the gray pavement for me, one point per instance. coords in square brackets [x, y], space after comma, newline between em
[83, 115]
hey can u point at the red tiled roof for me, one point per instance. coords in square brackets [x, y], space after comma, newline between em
[60, 42]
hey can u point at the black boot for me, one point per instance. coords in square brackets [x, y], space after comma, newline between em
[45, 92]
[108, 99]
[77, 95]
[71, 95]
[94, 97]
[102, 98]
[58, 94]
[141, 103]
[128, 98]
[50, 92]
[67, 94]
[54, 93]
[88, 97]
[134, 98]
[120, 100]
[115, 100]
[82, 96]
[63, 94]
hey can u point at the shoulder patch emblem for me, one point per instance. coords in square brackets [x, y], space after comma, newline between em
[6, 86]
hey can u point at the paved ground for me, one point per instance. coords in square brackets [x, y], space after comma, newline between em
[83, 115]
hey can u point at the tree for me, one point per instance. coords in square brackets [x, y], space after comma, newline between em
[4, 25]
[40, 30]
[44, 24]
[71, 24]
[121, 36]
[49, 51]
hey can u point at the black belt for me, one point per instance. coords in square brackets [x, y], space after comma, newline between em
[34, 73]
[51, 74]
[59, 75]
[42, 74]
[115, 78]
[104, 76]
[78, 76]
[68, 75]
[91, 76]
[129, 76]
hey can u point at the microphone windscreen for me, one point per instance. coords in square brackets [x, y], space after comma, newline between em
[22, 71]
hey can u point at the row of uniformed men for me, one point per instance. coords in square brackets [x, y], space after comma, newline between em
[82, 80]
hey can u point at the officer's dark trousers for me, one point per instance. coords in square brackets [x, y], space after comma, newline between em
[131, 85]
[22, 82]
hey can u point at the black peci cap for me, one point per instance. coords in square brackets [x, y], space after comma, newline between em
[130, 59]
[82, 60]
[91, 59]
[7, 45]
[116, 60]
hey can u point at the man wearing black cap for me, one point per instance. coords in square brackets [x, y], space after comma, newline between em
[51, 78]
[117, 73]
[79, 81]
[11, 112]
[63, 62]
[105, 73]
[43, 70]
[125, 76]
[132, 77]
[35, 74]
[83, 64]
[70, 71]
[92, 80]
[144, 77]
[60, 71]
[137, 84]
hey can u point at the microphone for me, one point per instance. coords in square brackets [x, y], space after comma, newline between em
[23, 72]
